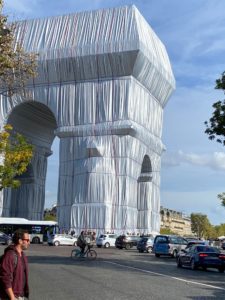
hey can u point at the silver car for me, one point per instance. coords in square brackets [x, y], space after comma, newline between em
[106, 240]
[62, 239]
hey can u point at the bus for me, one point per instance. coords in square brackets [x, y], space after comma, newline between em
[38, 230]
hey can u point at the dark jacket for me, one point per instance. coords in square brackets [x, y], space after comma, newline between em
[12, 273]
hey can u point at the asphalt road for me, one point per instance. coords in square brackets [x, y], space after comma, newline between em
[116, 275]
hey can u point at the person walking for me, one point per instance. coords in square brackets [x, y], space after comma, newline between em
[14, 268]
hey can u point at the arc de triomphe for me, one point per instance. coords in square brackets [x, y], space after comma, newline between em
[104, 78]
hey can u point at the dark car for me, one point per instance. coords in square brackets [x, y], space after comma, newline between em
[126, 241]
[168, 245]
[5, 239]
[223, 245]
[202, 256]
[195, 242]
[145, 244]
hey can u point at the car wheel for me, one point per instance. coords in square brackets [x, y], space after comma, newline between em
[157, 255]
[179, 264]
[128, 246]
[140, 251]
[74, 244]
[149, 249]
[107, 245]
[56, 243]
[221, 270]
[35, 240]
[204, 268]
[99, 246]
[193, 265]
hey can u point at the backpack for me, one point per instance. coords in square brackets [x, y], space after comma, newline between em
[80, 243]
[15, 260]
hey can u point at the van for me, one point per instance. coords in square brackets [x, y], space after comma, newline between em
[168, 245]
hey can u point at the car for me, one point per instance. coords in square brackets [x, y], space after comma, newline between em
[195, 242]
[145, 244]
[223, 245]
[62, 239]
[5, 238]
[126, 241]
[168, 245]
[106, 240]
[202, 256]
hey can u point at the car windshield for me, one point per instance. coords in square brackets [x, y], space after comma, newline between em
[102, 236]
[207, 249]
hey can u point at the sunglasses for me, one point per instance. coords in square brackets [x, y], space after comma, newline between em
[27, 240]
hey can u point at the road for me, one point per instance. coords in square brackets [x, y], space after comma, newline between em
[116, 275]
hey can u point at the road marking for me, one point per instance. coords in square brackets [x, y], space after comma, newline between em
[164, 275]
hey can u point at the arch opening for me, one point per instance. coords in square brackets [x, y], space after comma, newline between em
[144, 197]
[37, 123]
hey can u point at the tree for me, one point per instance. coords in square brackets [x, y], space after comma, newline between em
[222, 198]
[200, 225]
[15, 154]
[16, 66]
[166, 231]
[216, 124]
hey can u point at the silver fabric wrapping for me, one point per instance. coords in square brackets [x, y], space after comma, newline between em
[104, 78]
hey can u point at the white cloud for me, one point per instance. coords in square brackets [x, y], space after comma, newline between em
[215, 161]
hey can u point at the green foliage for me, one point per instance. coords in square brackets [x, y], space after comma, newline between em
[216, 124]
[220, 230]
[201, 226]
[16, 66]
[49, 217]
[222, 198]
[166, 231]
[15, 156]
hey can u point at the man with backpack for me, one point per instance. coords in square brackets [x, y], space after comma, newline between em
[14, 268]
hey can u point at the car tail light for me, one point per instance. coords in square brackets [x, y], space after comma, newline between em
[222, 256]
[203, 255]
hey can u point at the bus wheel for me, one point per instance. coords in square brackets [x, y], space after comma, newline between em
[35, 240]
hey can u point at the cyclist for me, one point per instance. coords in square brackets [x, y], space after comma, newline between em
[81, 242]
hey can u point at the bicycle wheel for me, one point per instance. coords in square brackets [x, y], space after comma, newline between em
[75, 254]
[91, 254]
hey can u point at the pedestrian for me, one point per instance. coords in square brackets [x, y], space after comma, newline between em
[14, 268]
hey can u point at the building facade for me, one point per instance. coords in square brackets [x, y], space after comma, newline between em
[176, 221]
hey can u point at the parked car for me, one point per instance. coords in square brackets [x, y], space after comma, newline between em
[62, 239]
[106, 240]
[5, 239]
[223, 245]
[145, 244]
[168, 245]
[202, 256]
[126, 241]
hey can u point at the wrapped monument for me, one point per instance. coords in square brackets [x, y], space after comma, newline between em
[104, 78]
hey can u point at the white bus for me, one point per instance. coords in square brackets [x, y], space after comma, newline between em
[38, 230]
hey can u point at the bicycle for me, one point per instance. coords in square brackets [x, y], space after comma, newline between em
[88, 253]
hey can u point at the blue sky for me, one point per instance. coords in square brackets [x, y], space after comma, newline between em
[193, 31]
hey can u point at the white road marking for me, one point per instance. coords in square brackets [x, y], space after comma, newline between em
[164, 275]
